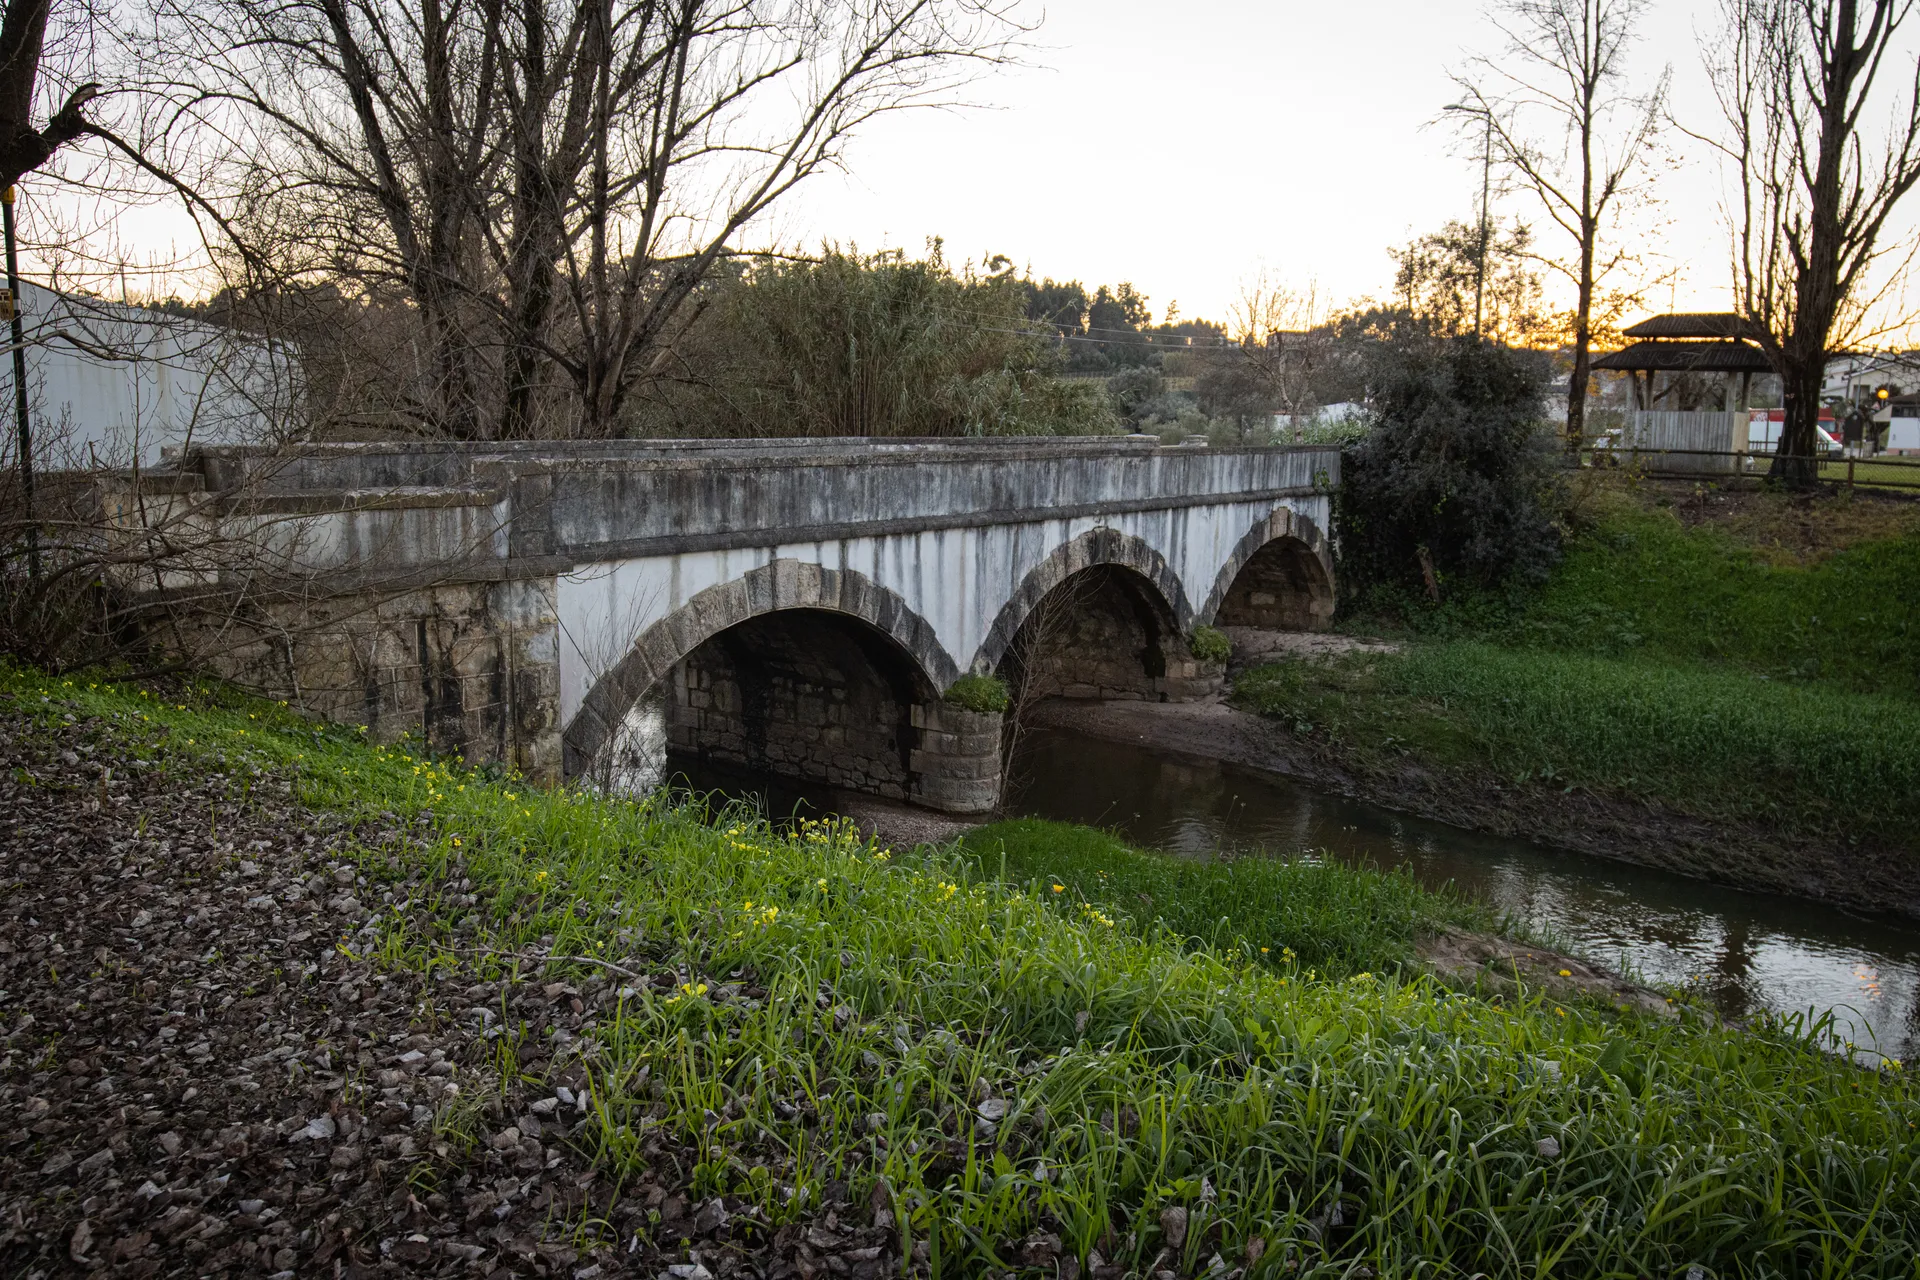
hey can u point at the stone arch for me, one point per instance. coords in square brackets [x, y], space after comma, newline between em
[1101, 546]
[774, 587]
[1285, 558]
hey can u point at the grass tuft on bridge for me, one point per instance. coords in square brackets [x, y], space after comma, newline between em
[992, 1062]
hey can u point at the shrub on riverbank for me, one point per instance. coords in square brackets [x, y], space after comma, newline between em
[1455, 486]
[1321, 915]
[1003, 1081]
[1720, 744]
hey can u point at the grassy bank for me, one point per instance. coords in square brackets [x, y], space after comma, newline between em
[1325, 916]
[1741, 593]
[1712, 742]
[1747, 657]
[980, 1064]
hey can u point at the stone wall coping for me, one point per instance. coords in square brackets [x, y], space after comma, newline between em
[490, 567]
[398, 497]
[815, 450]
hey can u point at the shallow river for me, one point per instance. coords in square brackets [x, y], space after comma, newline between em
[1745, 951]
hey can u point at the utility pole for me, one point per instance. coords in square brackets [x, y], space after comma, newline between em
[1486, 189]
[1486, 192]
[20, 388]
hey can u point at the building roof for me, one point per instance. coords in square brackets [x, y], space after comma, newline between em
[1690, 324]
[1694, 357]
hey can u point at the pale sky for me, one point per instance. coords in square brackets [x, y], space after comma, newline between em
[1186, 146]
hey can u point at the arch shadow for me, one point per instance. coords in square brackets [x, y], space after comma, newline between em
[1313, 558]
[1102, 546]
[772, 588]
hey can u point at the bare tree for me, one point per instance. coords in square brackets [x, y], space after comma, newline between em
[1561, 119]
[1032, 665]
[545, 185]
[1815, 195]
[25, 146]
[1286, 341]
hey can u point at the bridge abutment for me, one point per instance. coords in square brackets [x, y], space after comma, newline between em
[470, 667]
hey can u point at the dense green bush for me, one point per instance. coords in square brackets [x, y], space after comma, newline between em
[978, 693]
[1210, 644]
[870, 345]
[1457, 472]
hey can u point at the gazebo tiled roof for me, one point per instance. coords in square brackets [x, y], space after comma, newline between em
[1725, 356]
[1691, 324]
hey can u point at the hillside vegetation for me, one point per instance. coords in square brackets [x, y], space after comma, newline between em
[1010, 1075]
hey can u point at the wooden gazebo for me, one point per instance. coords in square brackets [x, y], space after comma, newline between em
[1687, 342]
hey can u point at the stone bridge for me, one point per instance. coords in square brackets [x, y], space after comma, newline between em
[793, 606]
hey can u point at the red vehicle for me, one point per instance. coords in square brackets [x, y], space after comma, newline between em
[1764, 426]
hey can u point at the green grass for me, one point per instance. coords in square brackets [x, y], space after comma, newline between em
[1641, 583]
[1711, 742]
[1903, 473]
[1130, 1070]
[1321, 915]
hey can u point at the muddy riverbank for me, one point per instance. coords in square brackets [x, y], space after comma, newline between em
[1859, 877]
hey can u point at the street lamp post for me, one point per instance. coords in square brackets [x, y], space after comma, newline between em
[1486, 190]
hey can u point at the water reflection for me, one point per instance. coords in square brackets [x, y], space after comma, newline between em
[1745, 951]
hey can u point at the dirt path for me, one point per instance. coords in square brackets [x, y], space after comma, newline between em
[1254, 645]
[202, 1073]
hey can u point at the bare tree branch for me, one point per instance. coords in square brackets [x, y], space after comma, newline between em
[1814, 195]
[1563, 77]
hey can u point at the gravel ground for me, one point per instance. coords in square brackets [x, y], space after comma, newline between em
[198, 1076]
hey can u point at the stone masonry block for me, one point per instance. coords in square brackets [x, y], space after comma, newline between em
[956, 795]
[936, 766]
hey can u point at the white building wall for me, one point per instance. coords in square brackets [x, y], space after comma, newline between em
[150, 382]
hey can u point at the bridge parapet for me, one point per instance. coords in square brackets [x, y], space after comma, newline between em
[408, 505]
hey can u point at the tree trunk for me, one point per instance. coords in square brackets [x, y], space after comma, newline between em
[1577, 387]
[1796, 460]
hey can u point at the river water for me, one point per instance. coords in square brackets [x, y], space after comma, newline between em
[1743, 951]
